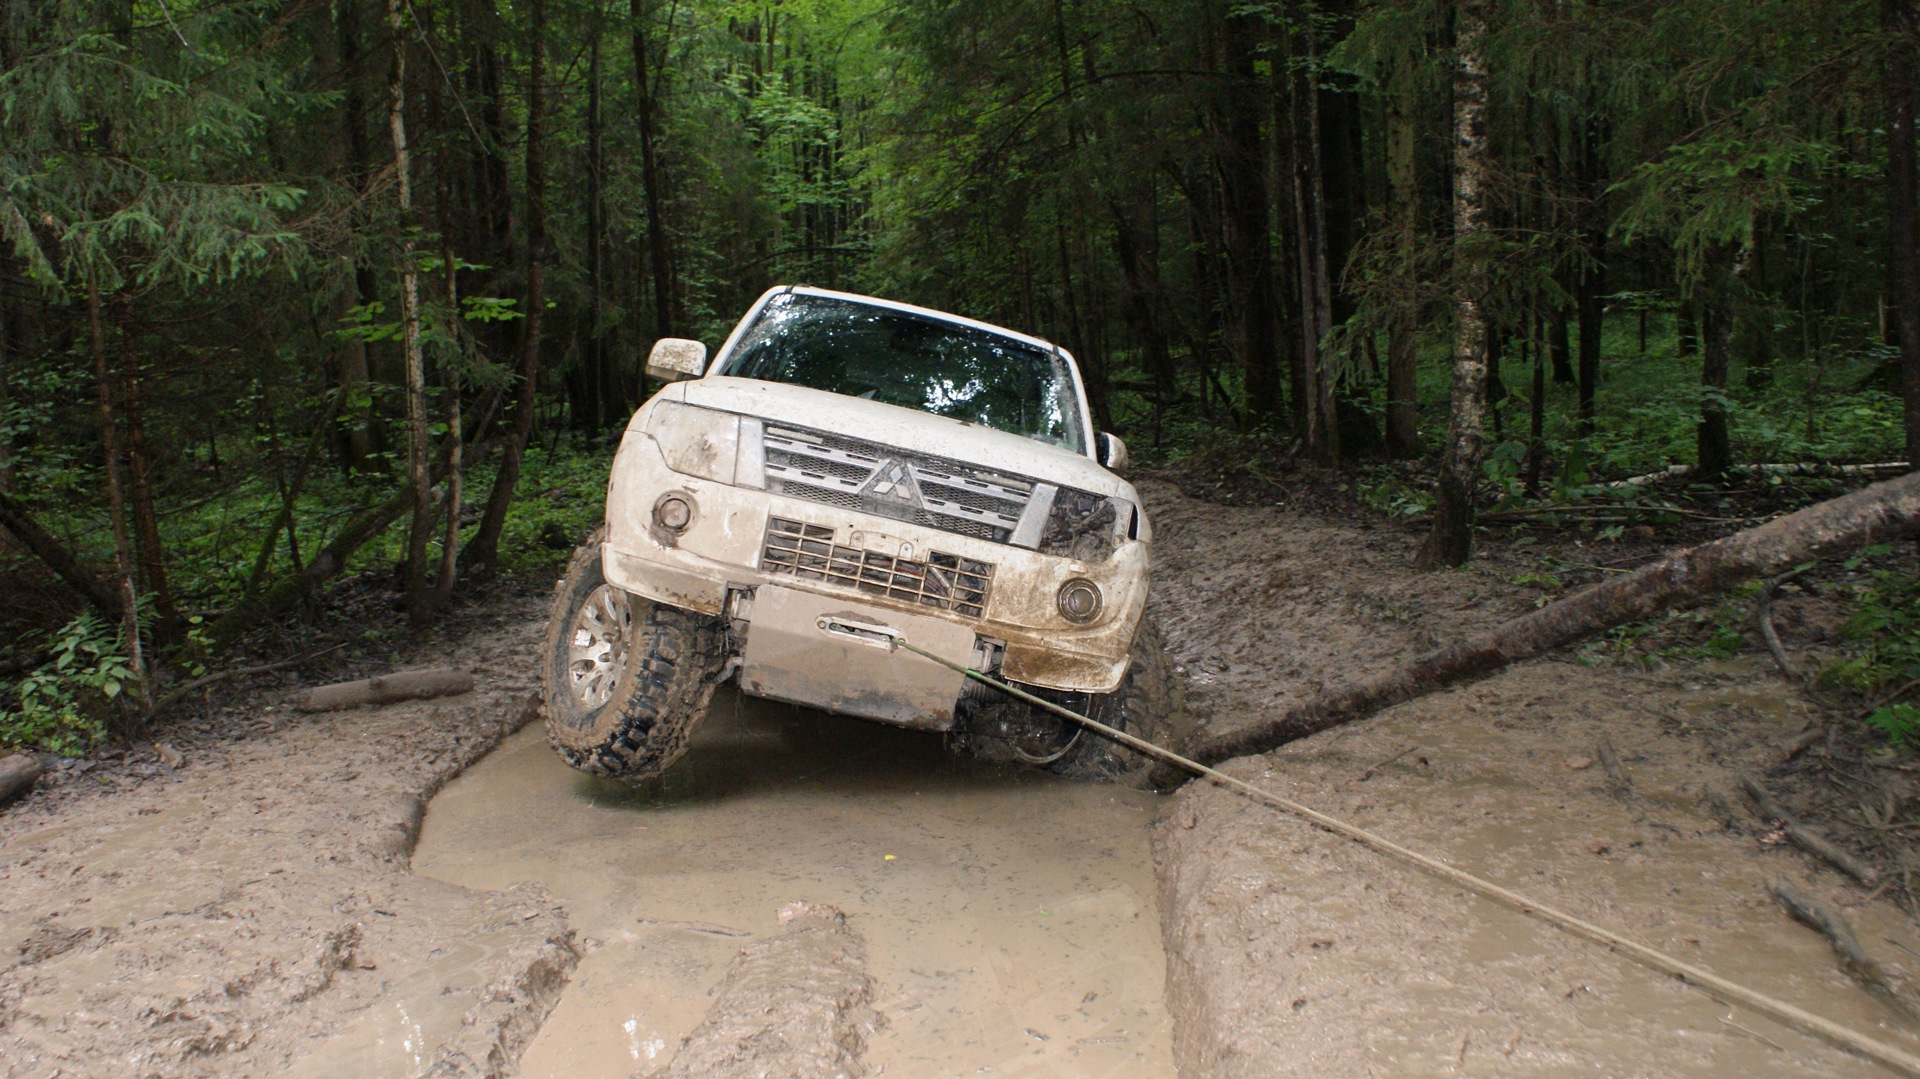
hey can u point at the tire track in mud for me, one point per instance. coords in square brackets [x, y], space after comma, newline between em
[253, 912]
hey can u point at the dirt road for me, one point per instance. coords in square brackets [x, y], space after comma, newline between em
[256, 905]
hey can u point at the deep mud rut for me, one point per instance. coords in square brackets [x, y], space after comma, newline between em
[1007, 917]
[262, 908]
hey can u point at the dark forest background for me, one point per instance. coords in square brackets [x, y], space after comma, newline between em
[298, 290]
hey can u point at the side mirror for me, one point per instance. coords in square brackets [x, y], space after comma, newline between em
[1113, 452]
[675, 358]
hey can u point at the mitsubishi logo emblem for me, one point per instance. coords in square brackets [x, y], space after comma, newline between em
[893, 480]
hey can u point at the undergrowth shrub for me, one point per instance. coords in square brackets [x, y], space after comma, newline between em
[1885, 633]
[63, 706]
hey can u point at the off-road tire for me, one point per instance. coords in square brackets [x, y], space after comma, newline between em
[665, 680]
[1150, 704]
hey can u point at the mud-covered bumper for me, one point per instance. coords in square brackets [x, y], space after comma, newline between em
[723, 549]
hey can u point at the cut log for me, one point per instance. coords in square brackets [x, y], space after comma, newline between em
[385, 689]
[1876, 514]
[17, 774]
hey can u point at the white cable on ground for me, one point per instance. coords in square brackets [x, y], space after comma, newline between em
[1779, 1010]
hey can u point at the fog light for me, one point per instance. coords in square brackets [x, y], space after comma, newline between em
[1079, 600]
[673, 513]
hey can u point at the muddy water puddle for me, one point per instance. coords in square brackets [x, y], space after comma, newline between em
[1009, 916]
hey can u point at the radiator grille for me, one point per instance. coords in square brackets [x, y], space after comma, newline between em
[948, 495]
[944, 581]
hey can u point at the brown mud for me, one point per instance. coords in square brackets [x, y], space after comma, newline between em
[248, 910]
[1294, 952]
[249, 898]
[1007, 916]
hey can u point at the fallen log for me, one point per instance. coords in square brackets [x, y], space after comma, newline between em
[1878, 513]
[385, 689]
[18, 521]
[1880, 468]
[18, 773]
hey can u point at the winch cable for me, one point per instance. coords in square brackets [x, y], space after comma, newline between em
[1779, 1010]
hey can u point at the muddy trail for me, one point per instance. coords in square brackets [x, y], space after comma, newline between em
[1008, 917]
[424, 888]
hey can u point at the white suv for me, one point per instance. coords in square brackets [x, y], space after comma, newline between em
[849, 471]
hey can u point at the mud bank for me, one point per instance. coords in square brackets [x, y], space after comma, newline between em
[247, 909]
[1294, 952]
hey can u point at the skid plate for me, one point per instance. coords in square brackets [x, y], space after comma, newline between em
[835, 655]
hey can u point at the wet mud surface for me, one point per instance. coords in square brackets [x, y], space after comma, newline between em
[252, 901]
[1296, 953]
[249, 911]
[1007, 917]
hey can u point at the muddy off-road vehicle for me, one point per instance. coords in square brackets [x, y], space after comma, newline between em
[849, 471]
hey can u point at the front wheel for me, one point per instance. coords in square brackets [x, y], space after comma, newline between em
[1149, 703]
[625, 680]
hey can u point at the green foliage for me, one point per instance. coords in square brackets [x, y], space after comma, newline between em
[1385, 490]
[1884, 628]
[63, 705]
[1679, 635]
[1899, 722]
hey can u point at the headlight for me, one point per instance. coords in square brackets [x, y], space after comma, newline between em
[1085, 526]
[699, 442]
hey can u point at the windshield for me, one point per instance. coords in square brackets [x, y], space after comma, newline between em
[905, 359]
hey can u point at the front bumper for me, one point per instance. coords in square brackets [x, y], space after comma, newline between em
[723, 548]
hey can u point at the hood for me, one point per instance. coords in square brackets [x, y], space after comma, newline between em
[904, 428]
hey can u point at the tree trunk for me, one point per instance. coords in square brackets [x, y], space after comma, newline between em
[646, 85]
[1308, 184]
[358, 437]
[604, 398]
[1536, 417]
[146, 523]
[1560, 347]
[484, 553]
[419, 597]
[1593, 193]
[1897, 17]
[1876, 514]
[1714, 449]
[385, 689]
[1591, 312]
[1451, 540]
[1403, 406]
[1686, 330]
[451, 372]
[1246, 223]
[290, 498]
[1140, 301]
[19, 522]
[117, 502]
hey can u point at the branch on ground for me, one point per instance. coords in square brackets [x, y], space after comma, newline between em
[1876, 514]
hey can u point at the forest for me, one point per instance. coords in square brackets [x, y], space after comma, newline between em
[302, 292]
